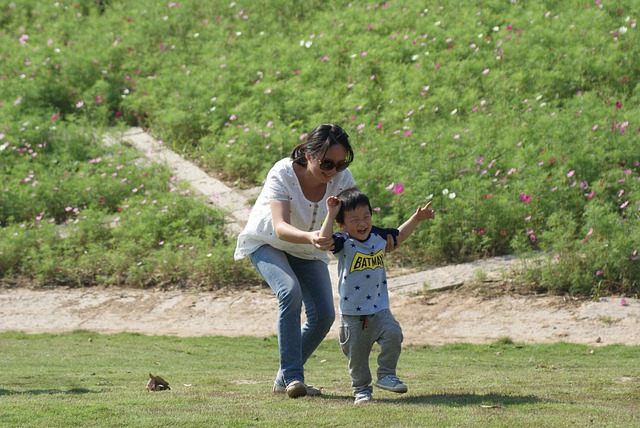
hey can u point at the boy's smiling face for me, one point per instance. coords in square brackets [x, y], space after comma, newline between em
[357, 222]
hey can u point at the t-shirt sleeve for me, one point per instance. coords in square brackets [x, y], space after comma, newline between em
[386, 231]
[276, 184]
[338, 242]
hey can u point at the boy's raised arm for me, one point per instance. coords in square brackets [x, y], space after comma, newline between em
[333, 206]
[422, 213]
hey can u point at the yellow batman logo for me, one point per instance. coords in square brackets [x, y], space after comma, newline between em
[363, 261]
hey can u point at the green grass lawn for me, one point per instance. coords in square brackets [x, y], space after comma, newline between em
[86, 379]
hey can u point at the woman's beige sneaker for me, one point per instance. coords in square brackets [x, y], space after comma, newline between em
[311, 391]
[296, 389]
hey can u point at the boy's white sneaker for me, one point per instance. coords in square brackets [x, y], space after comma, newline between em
[362, 397]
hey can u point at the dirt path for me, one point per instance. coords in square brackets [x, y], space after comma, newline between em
[459, 312]
[463, 314]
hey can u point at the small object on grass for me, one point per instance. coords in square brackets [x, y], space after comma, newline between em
[156, 383]
[490, 406]
[623, 302]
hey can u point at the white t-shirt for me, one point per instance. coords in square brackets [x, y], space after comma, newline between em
[282, 184]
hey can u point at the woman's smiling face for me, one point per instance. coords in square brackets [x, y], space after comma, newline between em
[335, 153]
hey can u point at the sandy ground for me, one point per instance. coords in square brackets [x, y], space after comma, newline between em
[463, 310]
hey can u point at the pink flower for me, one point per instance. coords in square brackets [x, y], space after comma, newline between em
[623, 302]
[390, 186]
[525, 198]
[398, 188]
[55, 117]
[618, 104]
[485, 71]
[406, 134]
[599, 272]
[570, 173]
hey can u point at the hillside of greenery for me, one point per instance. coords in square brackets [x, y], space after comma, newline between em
[519, 119]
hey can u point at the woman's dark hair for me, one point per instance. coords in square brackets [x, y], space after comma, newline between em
[318, 142]
[350, 199]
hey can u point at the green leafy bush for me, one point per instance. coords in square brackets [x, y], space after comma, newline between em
[518, 119]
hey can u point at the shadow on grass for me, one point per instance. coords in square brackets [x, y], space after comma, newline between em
[451, 400]
[47, 391]
[461, 400]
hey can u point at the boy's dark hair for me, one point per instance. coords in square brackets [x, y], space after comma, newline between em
[318, 142]
[350, 199]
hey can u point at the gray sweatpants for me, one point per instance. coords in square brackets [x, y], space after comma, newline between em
[357, 337]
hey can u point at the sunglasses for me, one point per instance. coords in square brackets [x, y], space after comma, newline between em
[329, 165]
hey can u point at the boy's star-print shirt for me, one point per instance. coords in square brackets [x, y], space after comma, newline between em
[362, 282]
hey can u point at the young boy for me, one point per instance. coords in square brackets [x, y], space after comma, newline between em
[364, 299]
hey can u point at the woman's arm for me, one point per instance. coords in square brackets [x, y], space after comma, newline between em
[281, 215]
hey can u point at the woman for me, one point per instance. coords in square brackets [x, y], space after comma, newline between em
[282, 240]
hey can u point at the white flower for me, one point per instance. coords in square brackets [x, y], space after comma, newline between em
[445, 191]
[622, 30]
[308, 44]
[496, 29]
[452, 195]
[414, 57]
[455, 110]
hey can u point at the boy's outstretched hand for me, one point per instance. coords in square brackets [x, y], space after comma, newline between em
[425, 213]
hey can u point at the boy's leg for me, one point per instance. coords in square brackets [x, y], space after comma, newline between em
[356, 343]
[390, 339]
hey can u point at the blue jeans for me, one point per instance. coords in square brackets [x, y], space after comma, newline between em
[295, 281]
